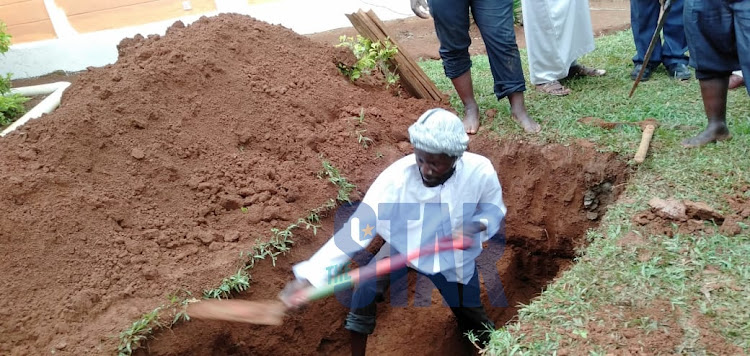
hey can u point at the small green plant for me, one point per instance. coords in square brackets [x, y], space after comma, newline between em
[11, 105]
[361, 118]
[237, 282]
[309, 224]
[138, 332]
[313, 217]
[345, 188]
[244, 209]
[4, 38]
[179, 301]
[370, 56]
[362, 139]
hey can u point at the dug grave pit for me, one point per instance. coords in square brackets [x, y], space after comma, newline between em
[554, 195]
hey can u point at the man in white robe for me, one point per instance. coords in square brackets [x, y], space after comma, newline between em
[558, 32]
[438, 191]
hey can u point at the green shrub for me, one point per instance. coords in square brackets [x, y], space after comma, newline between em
[370, 56]
[11, 106]
[4, 38]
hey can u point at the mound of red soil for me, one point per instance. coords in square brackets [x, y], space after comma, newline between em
[133, 188]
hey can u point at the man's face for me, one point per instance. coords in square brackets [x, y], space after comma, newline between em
[434, 166]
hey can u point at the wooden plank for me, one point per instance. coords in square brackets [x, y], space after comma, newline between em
[137, 14]
[404, 59]
[426, 81]
[30, 32]
[77, 7]
[8, 2]
[362, 25]
[23, 12]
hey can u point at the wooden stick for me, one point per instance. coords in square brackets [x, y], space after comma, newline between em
[648, 132]
[267, 312]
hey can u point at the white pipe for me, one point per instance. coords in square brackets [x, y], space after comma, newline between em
[46, 106]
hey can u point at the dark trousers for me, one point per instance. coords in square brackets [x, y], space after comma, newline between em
[719, 37]
[494, 18]
[644, 17]
[464, 300]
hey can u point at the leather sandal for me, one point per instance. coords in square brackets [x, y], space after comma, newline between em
[553, 88]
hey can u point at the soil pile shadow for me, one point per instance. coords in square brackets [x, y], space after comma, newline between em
[158, 170]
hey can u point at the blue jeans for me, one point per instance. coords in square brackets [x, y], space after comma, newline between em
[719, 37]
[495, 21]
[464, 300]
[644, 17]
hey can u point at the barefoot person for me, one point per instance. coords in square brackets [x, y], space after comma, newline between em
[558, 32]
[495, 22]
[719, 42]
[438, 190]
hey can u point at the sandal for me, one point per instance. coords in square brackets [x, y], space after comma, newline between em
[553, 88]
[583, 71]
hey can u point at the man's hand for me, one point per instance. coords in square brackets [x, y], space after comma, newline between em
[292, 295]
[420, 8]
[473, 228]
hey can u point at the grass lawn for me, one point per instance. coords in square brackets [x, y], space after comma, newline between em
[693, 288]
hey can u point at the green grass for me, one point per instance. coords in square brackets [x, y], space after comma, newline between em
[680, 271]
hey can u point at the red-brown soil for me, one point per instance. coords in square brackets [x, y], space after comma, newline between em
[133, 190]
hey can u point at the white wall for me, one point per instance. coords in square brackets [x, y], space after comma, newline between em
[73, 52]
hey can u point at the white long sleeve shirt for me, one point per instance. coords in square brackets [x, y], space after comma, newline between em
[408, 215]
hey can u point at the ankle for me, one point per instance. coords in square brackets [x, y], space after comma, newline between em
[471, 105]
[519, 111]
[718, 127]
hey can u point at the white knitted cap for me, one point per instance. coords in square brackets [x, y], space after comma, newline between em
[439, 131]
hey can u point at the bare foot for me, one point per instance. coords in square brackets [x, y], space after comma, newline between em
[471, 119]
[713, 133]
[528, 124]
[736, 81]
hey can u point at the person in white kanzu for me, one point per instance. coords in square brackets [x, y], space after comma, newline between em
[430, 194]
[558, 32]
